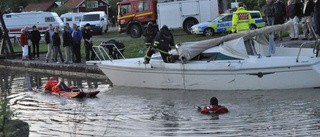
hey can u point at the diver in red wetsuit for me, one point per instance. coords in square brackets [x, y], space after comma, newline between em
[214, 107]
[55, 86]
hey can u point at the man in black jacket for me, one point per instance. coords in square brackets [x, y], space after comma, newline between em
[86, 34]
[35, 40]
[150, 32]
[279, 14]
[48, 37]
[268, 12]
[307, 10]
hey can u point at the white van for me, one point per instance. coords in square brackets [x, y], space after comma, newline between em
[97, 20]
[72, 18]
[16, 21]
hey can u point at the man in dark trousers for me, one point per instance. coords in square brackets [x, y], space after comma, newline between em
[279, 14]
[162, 43]
[150, 32]
[88, 42]
[268, 12]
[36, 37]
[77, 36]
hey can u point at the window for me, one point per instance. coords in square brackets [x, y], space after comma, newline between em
[227, 18]
[92, 4]
[77, 18]
[68, 18]
[49, 19]
[8, 16]
[62, 19]
[91, 17]
[255, 15]
[143, 5]
[126, 8]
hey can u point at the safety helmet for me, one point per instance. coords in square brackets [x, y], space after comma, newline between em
[164, 27]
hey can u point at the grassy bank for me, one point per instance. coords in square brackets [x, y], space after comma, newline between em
[133, 46]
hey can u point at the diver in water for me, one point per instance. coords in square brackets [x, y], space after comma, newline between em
[214, 107]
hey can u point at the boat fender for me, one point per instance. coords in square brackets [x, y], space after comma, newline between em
[260, 74]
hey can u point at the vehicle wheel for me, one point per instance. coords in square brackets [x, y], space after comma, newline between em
[253, 27]
[135, 31]
[208, 32]
[188, 24]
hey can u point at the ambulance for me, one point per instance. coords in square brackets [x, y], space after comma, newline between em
[223, 23]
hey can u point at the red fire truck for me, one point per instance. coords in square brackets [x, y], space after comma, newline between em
[133, 15]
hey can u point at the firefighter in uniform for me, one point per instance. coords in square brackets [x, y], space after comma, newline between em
[150, 33]
[241, 20]
[163, 43]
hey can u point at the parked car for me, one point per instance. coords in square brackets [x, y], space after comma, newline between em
[97, 20]
[223, 23]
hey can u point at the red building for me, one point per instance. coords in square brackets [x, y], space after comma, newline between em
[88, 5]
[41, 6]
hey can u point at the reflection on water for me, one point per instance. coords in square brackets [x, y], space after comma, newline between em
[121, 111]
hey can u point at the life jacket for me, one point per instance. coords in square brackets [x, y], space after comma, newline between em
[241, 20]
[52, 86]
[214, 109]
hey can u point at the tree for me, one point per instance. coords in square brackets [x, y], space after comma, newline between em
[62, 9]
[113, 8]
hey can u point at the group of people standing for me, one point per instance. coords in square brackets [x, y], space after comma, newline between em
[26, 38]
[71, 42]
[308, 11]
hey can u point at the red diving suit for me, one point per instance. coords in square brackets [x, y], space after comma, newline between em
[214, 109]
[52, 86]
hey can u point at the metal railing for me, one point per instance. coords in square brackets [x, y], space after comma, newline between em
[303, 44]
[316, 42]
[101, 51]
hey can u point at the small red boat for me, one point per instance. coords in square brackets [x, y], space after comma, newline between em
[72, 94]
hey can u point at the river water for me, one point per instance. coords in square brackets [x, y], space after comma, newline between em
[121, 111]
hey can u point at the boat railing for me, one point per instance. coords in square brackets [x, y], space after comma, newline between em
[302, 45]
[315, 36]
[101, 52]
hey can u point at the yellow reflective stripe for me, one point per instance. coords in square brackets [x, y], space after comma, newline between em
[213, 26]
[147, 43]
[156, 43]
[163, 51]
[127, 16]
[143, 14]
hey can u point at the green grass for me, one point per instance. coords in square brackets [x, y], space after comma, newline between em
[112, 34]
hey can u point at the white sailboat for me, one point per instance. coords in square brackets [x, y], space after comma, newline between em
[233, 62]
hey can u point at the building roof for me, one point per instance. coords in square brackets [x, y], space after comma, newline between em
[77, 3]
[39, 6]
